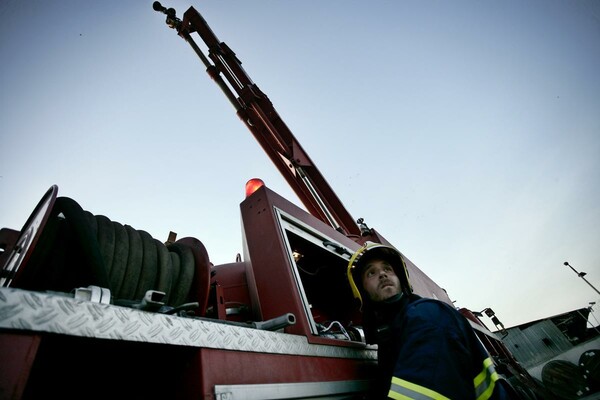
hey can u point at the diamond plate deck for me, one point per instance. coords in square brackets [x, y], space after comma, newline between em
[43, 312]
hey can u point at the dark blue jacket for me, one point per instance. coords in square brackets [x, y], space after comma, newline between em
[428, 350]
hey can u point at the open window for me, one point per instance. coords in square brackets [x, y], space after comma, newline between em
[319, 266]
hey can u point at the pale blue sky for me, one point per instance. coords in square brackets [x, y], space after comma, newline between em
[466, 132]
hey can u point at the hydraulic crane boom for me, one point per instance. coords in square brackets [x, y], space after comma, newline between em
[255, 109]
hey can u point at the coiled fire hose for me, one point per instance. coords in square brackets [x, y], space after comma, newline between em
[78, 248]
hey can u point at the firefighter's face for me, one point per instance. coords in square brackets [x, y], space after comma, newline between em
[379, 280]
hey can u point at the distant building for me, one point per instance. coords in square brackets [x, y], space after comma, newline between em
[561, 351]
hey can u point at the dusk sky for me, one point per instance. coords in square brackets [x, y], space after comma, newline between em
[466, 132]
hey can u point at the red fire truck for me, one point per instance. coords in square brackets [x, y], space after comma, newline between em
[90, 307]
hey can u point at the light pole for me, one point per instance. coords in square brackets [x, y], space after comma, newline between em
[582, 276]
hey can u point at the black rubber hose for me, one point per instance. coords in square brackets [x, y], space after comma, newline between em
[183, 282]
[165, 270]
[117, 272]
[149, 268]
[175, 266]
[134, 264]
[91, 220]
[106, 241]
[85, 237]
[127, 261]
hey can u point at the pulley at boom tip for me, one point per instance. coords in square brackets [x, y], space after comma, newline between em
[171, 14]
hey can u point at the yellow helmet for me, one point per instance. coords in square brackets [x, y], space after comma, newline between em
[369, 251]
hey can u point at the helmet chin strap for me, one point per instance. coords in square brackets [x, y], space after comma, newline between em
[394, 298]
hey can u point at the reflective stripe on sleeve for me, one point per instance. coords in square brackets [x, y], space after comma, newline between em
[405, 390]
[485, 381]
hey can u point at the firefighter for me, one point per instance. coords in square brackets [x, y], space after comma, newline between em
[426, 348]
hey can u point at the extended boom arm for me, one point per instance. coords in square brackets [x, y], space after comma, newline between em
[257, 112]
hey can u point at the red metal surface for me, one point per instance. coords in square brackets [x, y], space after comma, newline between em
[20, 349]
[221, 367]
[230, 291]
[271, 282]
[67, 367]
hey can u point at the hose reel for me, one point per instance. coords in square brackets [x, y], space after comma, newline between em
[76, 249]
